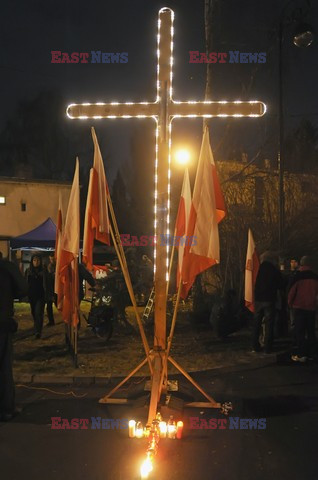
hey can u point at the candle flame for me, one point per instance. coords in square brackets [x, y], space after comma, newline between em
[146, 468]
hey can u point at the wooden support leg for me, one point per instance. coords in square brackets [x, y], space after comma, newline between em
[104, 399]
[194, 383]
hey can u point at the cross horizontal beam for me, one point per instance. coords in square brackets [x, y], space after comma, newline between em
[113, 110]
[218, 109]
[174, 109]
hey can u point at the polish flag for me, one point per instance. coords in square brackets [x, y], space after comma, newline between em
[68, 255]
[183, 220]
[207, 210]
[251, 269]
[96, 224]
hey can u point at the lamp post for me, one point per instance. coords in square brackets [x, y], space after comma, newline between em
[303, 37]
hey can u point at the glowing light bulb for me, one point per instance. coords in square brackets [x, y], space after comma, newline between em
[163, 429]
[183, 157]
[132, 428]
[139, 430]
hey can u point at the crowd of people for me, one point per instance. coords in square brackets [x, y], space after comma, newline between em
[300, 288]
[37, 285]
[41, 279]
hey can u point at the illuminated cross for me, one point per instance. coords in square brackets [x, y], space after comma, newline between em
[163, 111]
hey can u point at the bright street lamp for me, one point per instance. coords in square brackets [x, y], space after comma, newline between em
[303, 36]
[182, 156]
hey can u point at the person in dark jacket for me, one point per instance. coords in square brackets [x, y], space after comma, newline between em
[84, 275]
[268, 281]
[36, 292]
[302, 298]
[50, 295]
[291, 279]
[12, 285]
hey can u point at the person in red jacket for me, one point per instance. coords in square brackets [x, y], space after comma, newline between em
[302, 298]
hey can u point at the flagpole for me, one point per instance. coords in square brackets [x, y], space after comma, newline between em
[117, 243]
[174, 318]
[132, 296]
[76, 309]
[171, 262]
[121, 255]
[164, 372]
[123, 262]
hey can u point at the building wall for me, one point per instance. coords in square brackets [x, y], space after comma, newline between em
[41, 201]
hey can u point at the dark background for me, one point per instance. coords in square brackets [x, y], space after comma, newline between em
[31, 30]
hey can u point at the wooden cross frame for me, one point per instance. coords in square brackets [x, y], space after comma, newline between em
[163, 111]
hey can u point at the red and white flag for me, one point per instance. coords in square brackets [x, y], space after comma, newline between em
[207, 210]
[96, 224]
[68, 255]
[59, 229]
[183, 220]
[251, 269]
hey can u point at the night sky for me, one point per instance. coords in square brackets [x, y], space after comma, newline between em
[30, 30]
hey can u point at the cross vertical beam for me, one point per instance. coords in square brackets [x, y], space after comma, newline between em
[162, 174]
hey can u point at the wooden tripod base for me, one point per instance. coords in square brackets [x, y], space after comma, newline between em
[159, 360]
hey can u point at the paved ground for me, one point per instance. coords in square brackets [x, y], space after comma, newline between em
[286, 395]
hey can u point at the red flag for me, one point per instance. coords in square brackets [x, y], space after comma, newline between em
[68, 255]
[96, 214]
[182, 220]
[207, 210]
[251, 269]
